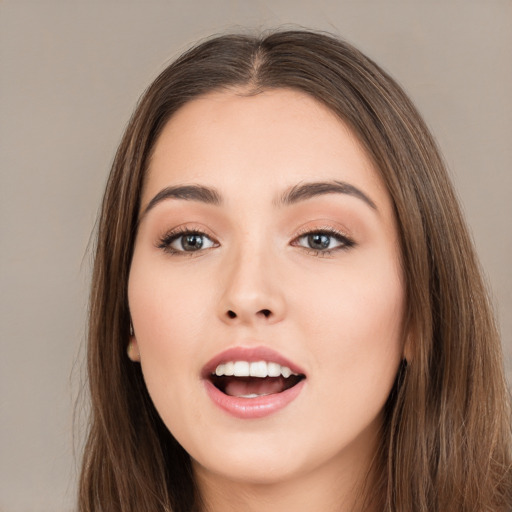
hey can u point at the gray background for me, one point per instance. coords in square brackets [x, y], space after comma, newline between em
[70, 74]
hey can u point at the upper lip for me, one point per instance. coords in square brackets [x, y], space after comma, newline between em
[250, 354]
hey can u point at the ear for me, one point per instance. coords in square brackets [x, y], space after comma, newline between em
[133, 350]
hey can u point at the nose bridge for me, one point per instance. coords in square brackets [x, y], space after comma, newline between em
[250, 291]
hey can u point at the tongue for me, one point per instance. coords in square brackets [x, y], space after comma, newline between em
[246, 386]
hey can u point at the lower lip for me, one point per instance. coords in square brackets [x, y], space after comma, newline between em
[251, 408]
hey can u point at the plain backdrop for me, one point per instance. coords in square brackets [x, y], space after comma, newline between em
[70, 74]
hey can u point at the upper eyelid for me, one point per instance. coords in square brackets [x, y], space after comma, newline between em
[184, 229]
[329, 230]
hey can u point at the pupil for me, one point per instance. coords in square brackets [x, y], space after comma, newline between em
[318, 241]
[192, 242]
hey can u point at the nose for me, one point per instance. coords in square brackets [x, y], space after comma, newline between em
[251, 291]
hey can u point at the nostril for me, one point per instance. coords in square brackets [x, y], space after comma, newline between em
[265, 312]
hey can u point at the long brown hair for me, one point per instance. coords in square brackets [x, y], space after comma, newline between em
[446, 445]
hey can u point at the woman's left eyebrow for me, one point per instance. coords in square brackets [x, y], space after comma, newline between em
[304, 191]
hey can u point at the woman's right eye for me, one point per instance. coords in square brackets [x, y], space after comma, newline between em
[186, 242]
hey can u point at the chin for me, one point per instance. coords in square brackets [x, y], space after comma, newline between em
[251, 471]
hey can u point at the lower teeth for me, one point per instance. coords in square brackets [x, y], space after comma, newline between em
[252, 395]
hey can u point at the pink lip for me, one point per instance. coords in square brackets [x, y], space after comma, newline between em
[251, 408]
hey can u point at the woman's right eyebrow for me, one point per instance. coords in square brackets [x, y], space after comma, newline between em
[187, 192]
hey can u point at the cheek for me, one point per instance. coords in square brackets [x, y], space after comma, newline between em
[164, 301]
[356, 322]
[166, 310]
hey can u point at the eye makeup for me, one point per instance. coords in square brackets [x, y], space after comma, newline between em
[187, 241]
[323, 242]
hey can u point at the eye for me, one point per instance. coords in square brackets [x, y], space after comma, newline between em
[185, 241]
[323, 241]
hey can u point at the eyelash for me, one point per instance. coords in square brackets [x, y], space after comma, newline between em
[166, 240]
[345, 242]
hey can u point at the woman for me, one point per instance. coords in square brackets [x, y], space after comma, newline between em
[286, 310]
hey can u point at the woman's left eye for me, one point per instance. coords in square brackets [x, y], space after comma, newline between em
[186, 242]
[323, 241]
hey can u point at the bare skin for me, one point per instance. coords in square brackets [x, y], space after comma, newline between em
[314, 276]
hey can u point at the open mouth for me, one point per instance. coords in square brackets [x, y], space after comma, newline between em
[243, 379]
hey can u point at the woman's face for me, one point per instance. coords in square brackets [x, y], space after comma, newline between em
[266, 236]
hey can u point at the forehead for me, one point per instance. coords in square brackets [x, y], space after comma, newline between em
[267, 141]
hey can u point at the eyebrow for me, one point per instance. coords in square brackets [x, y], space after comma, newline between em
[305, 191]
[295, 194]
[199, 193]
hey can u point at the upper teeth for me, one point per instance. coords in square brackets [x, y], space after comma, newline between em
[253, 369]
